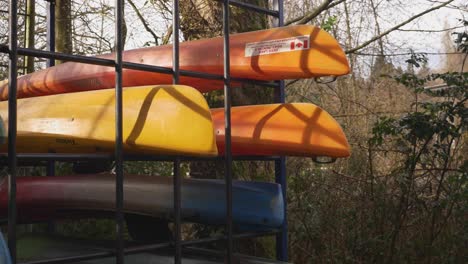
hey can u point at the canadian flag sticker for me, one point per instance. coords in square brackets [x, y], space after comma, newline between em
[277, 46]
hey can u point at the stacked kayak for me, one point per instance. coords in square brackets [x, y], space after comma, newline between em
[281, 53]
[75, 113]
[171, 120]
[294, 129]
[255, 204]
[166, 119]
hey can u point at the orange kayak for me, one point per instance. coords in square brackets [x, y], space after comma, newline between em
[281, 53]
[295, 129]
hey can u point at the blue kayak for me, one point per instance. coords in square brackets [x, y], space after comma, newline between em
[256, 205]
[4, 252]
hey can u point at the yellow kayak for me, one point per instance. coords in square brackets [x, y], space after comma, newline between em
[163, 120]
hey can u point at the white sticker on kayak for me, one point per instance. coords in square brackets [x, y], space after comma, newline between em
[277, 46]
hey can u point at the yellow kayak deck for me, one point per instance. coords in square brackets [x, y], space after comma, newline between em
[163, 120]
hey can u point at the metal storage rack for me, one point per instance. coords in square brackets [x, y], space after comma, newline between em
[48, 160]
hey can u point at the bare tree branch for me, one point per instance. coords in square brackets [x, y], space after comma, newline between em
[327, 4]
[407, 53]
[463, 63]
[365, 44]
[430, 30]
[167, 36]
[143, 21]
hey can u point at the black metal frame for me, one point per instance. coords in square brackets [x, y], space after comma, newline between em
[12, 162]
[119, 157]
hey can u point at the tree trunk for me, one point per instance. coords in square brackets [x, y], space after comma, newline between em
[203, 19]
[63, 27]
[30, 32]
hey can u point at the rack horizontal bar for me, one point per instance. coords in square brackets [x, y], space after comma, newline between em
[71, 259]
[30, 157]
[150, 247]
[61, 56]
[241, 257]
[256, 82]
[128, 65]
[252, 7]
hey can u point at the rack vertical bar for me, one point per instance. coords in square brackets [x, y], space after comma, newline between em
[177, 216]
[175, 40]
[177, 177]
[282, 237]
[50, 30]
[119, 191]
[280, 164]
[50, 169]
[227, 127]
[12, 111]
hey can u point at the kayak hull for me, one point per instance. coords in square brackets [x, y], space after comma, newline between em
[301, 51]
[154, 122]
[294, 129]
[255, 204]
[84, 123]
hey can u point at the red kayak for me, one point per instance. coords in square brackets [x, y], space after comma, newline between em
[281, 53]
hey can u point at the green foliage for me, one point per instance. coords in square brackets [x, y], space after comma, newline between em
[433, 118]
[151, 168]
[433, 182]
[402, 197]
[98, 229]
[417, 59]
[462, 38]
[384, 127]
[329, 23]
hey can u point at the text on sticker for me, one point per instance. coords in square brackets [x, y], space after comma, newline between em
[277, 46]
